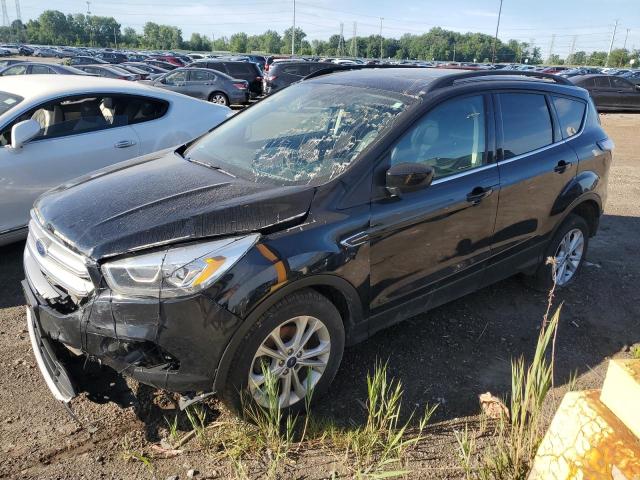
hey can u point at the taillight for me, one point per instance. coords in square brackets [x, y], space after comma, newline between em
[259, 79]
[271, 78]
[240, 86]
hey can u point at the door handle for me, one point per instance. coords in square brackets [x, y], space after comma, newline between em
[124, 144]
[478, 194]
[561, 167]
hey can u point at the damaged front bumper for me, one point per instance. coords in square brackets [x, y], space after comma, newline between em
[173, 344]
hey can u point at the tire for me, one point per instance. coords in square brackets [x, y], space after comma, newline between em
[543, 278]
[304, 303]
[219, 98]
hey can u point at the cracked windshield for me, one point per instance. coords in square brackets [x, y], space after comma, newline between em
[307, 134]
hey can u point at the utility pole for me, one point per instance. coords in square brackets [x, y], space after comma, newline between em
[454, 53]
[495, 39]
[626, 37]
[381, 38]
[613, 37]
[115, 38]
[293, 32]
[89, 24]
[354, 41]
[341, 40]
[553, 42]
[18, 14]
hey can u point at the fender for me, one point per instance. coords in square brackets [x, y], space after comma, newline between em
[353, 325]
[580, 187]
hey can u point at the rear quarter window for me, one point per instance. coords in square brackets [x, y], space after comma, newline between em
[570, 114]
[526, 123]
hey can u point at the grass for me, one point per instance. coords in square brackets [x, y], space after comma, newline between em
[518, 434]
[129, 454]
[635, 352]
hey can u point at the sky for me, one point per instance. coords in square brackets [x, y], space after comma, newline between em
[588, 23]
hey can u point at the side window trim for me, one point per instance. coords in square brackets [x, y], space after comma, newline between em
[555, 120]
[557, 116]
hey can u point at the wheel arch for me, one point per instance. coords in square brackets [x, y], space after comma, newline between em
[342, 294]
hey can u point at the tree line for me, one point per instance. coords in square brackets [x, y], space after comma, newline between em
[53, 27]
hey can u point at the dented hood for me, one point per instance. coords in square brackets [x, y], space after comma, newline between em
[163, 199]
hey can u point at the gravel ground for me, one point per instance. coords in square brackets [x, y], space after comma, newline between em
[449, 356]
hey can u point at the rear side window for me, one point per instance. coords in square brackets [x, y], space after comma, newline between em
[621, 83]
[201, 76]
[602, 82]
[570, 113]
[526, 123]
[40, 69]
[240, 69]
[299, 70]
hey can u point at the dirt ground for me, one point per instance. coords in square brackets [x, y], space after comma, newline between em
[447, 356]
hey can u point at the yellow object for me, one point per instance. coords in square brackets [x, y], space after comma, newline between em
[587, 441]
[213, 264]
[621, 392]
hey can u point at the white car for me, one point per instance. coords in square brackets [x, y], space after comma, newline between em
[57, 127]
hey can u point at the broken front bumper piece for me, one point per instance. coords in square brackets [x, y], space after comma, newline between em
[173, 344]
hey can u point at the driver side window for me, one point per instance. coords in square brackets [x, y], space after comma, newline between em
[450, 138]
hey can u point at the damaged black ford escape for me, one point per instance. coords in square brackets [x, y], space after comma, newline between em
[311, 220]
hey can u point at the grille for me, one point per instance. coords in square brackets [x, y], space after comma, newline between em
[51, 266]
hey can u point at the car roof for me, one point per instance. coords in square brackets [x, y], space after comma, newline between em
[34, 87]
[416, 81]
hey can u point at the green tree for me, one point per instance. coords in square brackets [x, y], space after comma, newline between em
[221, 45]
[286, 40]
[619, 57]
[555, 59]
[270, 42]
[597, 59]
[199, 43]
[130, 38]
[577, 58]
[238, 42]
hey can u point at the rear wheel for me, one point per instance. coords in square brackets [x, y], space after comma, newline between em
[219, 98]
[568, 248]
[299, 340]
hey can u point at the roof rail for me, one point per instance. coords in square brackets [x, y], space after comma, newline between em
[449, 80]
[331, 68]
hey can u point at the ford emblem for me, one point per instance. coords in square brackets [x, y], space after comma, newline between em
[41, 247]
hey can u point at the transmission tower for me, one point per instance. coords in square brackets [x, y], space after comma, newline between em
[341, 40]
[354, 41]
[5, 14]
[18, 14]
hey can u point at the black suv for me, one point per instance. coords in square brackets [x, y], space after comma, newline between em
[309, 221]
[248, 71]
[283, 74]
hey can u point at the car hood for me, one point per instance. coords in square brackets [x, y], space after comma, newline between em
[161, 199]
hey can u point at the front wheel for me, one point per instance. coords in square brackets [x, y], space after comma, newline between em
[300, 341]
[219, 98]
[568, 248]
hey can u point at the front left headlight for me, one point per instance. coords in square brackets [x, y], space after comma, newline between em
[177, 271]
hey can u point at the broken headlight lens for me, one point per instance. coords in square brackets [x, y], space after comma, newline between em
[176, 271]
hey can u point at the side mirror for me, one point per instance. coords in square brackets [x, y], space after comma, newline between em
[407, 177]
[23, 131]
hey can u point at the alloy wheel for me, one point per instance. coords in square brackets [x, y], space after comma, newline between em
[296, 353]
[568, 256]
[219, 99]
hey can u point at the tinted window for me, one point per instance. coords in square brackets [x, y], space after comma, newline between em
[621, 83]
[216, 66]
[201, 76]
[602, 82]
[299, 70]
[526, 123]
[586, 82]
[175, 78]
[40, 69]
[450, 138]
[240, 69]
[570, 113]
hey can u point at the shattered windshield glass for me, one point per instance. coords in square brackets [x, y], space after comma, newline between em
[307, 134]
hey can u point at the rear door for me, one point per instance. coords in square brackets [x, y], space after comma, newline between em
[602, 93]
[627, 97]
[535, 165]
[437, 239]
[199, 83]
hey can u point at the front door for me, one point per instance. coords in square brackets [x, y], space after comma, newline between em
[436, 239]
[75, 139]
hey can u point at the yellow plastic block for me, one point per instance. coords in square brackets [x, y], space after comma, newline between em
[586, 441]
[621, 392]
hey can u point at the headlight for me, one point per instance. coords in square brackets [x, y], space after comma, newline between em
[176, 271]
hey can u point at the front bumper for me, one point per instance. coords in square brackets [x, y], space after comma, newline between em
[174, 344]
